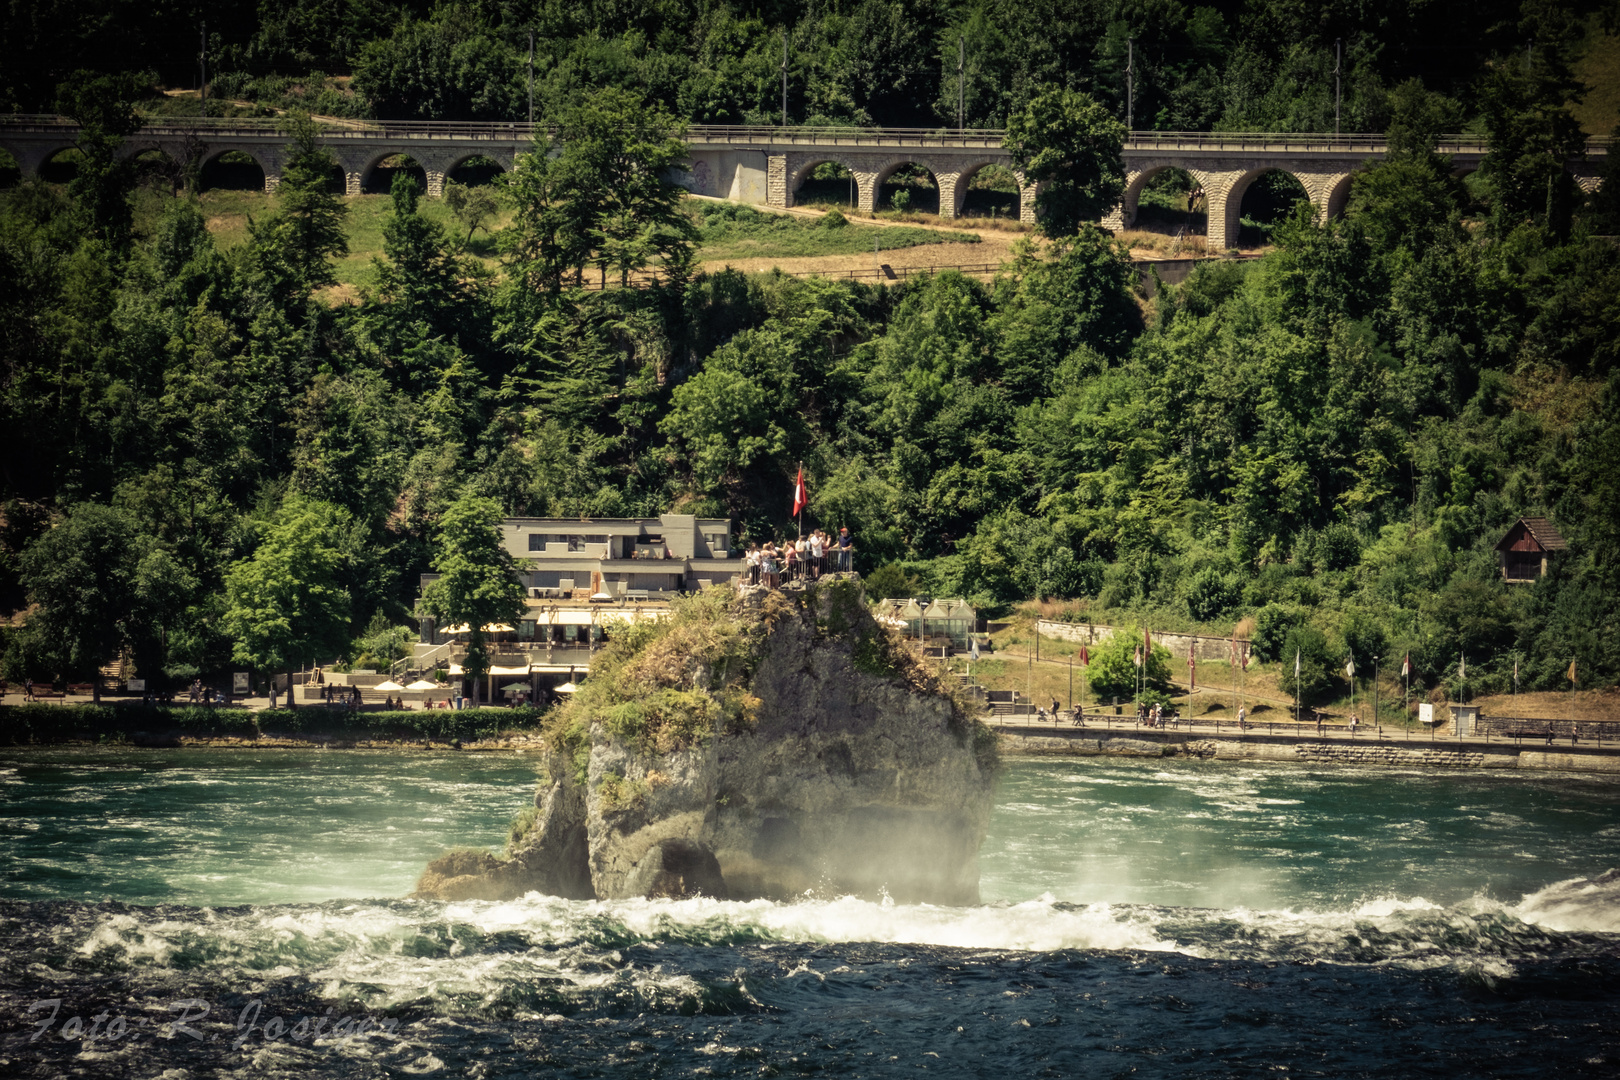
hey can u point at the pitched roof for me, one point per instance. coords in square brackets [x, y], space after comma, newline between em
[1543, 533]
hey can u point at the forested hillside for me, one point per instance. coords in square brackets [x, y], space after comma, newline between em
[1259, 65]
[1330, 439]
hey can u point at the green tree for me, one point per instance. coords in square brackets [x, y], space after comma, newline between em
[104, 108]
[478, 583]
[1533, 137]
[294, 248]
[1309, 646]
[85, 576]
[1070, 145]
[425, 290]
[288, 604]
[604, 196]
[1113, 672]
[472, 206]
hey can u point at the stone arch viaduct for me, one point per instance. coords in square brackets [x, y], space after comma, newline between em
[767, 165]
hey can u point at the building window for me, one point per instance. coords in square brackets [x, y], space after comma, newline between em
[537, 541]
[716, 541]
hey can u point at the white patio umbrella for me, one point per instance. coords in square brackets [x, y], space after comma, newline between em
[423, 684]
[388, 687]
[566, 688]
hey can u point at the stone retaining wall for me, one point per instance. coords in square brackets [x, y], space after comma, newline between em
[1312, 753]
[1209, 648]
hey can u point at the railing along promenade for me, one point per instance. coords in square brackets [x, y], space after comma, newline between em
[1494, 731]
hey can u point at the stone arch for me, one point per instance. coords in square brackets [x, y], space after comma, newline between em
[156, 161]
[1330, 192]
[473, 174]
[377, 178]
[30, 156]
[943, 199]
[1123, 216]
[214, 172]
[964, 181]
[802, 170]
[1225, 194]
[55, 167]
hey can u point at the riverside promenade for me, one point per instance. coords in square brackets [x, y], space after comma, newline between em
[1595, 748]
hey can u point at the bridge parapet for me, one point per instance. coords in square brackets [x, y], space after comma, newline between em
[721, 163]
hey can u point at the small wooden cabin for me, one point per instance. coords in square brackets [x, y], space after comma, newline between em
[1525, 549]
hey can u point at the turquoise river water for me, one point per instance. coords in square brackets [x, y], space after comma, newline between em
[189, 913]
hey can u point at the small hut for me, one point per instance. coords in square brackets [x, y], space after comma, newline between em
[1524, 551]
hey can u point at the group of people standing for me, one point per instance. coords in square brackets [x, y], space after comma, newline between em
[807, 558]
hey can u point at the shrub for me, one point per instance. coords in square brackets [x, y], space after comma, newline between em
[1112, 673]
[1209, 594]
[1315, 665]
[522, 825]
[1271, 627]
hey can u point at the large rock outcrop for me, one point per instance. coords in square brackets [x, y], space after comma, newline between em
[758, 744]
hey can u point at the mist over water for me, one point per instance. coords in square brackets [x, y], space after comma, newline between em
[1148, 917]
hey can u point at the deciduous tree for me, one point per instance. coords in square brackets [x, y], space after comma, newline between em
[1071, 145]
[288, 603]
[478, 583]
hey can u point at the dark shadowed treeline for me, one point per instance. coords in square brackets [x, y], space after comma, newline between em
[1228, 65]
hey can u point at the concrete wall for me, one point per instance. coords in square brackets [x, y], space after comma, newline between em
[739, 175]
[1180, 645]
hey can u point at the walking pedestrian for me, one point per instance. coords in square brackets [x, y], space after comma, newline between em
[28, 689]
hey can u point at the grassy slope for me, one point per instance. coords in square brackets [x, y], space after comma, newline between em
[729, 232]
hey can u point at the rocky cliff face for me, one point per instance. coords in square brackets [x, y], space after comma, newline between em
[757, 745]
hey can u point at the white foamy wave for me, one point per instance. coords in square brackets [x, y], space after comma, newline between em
[1039, 925]
[1589, 905]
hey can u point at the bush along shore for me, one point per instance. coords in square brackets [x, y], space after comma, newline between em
[144, 725]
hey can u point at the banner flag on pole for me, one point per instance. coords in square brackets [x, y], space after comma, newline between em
[1296, 672]
[799, 498]
[1147, 641]
[1192, 672]
[1406, 666]
[1462, 667]
[1245, 658]
[1350, 668]
[1572, 673]
[1138, 657]
[1085, 657]
[975, 651]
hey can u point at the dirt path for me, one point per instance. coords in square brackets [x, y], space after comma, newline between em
[910, 258]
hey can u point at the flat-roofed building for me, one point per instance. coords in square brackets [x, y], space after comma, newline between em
[584, 579]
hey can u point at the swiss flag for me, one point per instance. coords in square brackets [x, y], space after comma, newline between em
[799, 497]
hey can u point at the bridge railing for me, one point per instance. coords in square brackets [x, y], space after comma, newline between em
[763, 135]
